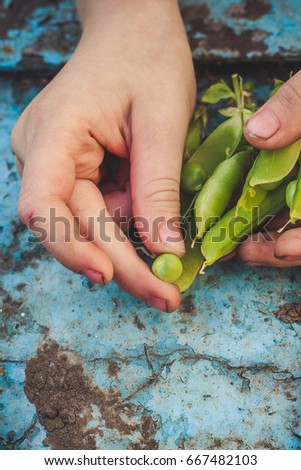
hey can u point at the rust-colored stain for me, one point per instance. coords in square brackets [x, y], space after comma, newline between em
[7, 50]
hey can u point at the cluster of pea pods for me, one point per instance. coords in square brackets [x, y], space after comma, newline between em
[228, 188]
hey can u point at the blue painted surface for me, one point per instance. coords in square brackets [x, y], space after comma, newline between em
[222, 372]
[47, 31]
[272, 34]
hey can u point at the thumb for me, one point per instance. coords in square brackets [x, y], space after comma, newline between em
[156, 160]
[278, 122]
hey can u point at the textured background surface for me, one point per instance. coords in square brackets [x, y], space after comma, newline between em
[41, 34]
[85, 367]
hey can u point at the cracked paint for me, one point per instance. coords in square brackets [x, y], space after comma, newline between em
[41, 35]
[222, 372]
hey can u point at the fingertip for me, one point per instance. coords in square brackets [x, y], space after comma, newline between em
[262, 126]
[162, 237]
[288, 244]
[171, 239]
[256, 250]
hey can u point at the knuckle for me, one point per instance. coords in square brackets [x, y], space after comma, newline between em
[289, 97]
[19, 165]
[161, 193]
[16, 137]
[25, 209]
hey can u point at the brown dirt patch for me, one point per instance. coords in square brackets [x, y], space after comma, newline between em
[66, 399]
[289, 313]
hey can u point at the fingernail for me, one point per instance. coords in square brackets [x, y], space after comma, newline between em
[94, 276]
[170, 235]
[159, 304]
[262, 125]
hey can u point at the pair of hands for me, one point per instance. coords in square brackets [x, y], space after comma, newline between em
[128, 88]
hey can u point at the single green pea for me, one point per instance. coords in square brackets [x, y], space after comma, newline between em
[219, 145]
[192, 177]
[235, 225]
[167, 267]
[293, 200]
[295, 212]
[217, 191]
[195, 131]
[290, 192]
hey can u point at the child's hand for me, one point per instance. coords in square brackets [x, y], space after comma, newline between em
[275, 125]
[128, 88]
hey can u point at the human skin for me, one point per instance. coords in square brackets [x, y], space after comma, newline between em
[276, 124]
[129, 88]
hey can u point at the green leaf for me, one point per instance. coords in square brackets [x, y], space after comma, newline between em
[218, 91]
[251, 106]
[229, 112]
[277, 85]
[248, 86]
[278, 82]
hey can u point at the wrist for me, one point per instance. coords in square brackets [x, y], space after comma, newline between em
[94, 15]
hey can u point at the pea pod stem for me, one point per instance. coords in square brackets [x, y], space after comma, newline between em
[238, 90]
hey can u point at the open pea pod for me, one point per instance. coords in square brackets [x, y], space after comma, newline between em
[250, 196]
[193, 259]
[192, 262]
[219, 145]
[272, 166]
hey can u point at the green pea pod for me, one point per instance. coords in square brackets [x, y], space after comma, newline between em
[272, 166]
[218, 190]
[293, 201]
[295, 212]
[192, 260]
[218, 146]
[234, 226]
[195, 131]
[250, 197]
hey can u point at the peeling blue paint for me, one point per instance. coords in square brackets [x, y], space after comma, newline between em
[50, 33]
[221, 372]
[224, 376]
